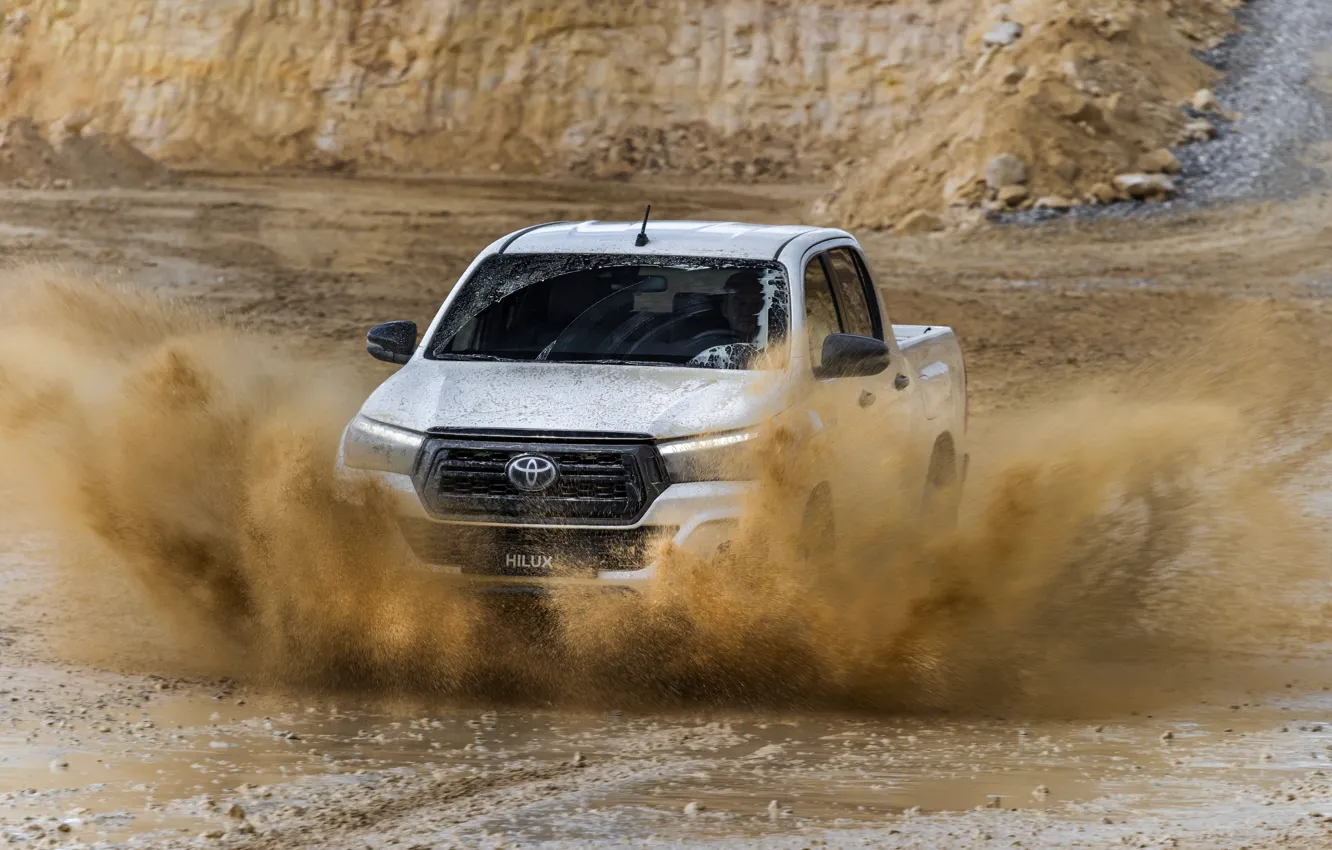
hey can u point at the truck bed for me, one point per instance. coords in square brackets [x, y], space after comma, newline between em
[936, 356]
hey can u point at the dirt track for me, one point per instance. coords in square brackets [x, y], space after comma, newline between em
[132, 756]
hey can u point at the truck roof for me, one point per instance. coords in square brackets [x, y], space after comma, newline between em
[667, 238]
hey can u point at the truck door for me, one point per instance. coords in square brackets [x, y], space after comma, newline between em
[878, 419]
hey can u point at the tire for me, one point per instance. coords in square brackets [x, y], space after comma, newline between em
[818, 530]
[943, 488]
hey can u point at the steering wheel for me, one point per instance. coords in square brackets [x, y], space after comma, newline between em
[737, 355]
[591, 317]
[715, 338]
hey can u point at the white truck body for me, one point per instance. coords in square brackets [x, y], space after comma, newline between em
[472, 418]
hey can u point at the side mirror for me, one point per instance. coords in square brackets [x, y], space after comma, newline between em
[853, 356]
[392, 342]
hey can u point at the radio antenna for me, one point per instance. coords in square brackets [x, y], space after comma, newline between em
[642, 238]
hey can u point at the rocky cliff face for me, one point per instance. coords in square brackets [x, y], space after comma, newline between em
[744, 88]
[912, 101]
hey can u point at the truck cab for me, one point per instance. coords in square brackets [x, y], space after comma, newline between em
[589, 391]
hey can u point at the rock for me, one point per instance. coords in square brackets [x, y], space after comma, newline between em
[212, 836]
[1167, 736]
[1040, 791]
[773, 810]
[692, 809]
[1102, 193]
[1085, 111]
[1002, 34]
[1204, 100]
[578, 760]
[1199, 131]
[1158, 162]
[1145, 187]
[1012, 196]
[1013, 75]
[17, 22]
[399, 56]
[1005, 170]
[74, 123]
[236, 812]
[1066, 167]
[59, 764]
[983, 62]
[964, 189]
[64, 827]
[1055, 202]
[917, 222]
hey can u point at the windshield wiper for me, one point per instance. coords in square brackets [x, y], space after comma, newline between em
[468, 355]
[607, 361]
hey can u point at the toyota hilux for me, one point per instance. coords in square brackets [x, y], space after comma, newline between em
[588, 391]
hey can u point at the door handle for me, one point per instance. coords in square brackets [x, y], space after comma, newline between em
[901, 382]
[867, 398]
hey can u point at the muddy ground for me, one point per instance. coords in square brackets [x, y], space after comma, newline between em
[1234, 751]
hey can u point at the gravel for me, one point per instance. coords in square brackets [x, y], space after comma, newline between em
[1271, 68]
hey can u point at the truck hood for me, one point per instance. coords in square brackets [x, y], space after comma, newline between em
[662, 402]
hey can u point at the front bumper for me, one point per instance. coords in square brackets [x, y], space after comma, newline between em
[697, 518]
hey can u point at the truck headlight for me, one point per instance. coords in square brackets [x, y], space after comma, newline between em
[367, 444]
[715, 457]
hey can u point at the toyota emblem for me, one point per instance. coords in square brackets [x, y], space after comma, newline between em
[532, 473]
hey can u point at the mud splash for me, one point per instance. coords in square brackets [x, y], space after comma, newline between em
[195, 459]
[1100, 531]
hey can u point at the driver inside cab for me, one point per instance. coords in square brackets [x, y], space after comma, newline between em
[743, 305]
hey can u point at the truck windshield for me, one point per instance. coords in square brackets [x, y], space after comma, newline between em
[705, 313]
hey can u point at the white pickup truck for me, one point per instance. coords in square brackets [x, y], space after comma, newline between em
[583, 392]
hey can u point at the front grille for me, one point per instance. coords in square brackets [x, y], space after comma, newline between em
[466, 477]
[533, 552]
[480, 473]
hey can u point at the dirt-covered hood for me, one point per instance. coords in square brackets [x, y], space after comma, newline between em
[662, 402]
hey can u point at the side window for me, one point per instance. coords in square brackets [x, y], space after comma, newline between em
[820, 309]
[852, 293]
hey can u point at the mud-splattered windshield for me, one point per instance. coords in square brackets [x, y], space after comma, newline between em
[681, 311]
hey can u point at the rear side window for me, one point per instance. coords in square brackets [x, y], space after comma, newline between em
[852, 293]
[820, 309]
